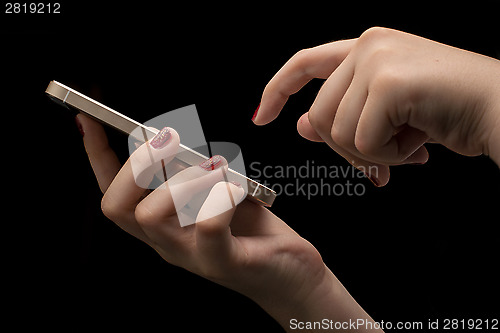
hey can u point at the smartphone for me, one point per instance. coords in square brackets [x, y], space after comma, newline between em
[186, 157]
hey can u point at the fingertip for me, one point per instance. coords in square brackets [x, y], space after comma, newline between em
[87, 122]
[271, 104]
[377, 174]
[223, 198]
[420, 156]
[258, 118]
[237, 191]
[255, 113]
[305, 129]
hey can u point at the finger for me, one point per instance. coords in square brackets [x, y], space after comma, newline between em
[346, 119]
[171, 198]
[102, 158]
[151, 158]
[347, 115]
[375, 135]
[322, 114]
[223, 196]
[213, 234]
[420, 156]
[128, 185]
[324, 108]
[377, 173]
[121, 198]
[306, 130]
[316, 62]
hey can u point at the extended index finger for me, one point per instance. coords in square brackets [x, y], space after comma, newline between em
[305, 65]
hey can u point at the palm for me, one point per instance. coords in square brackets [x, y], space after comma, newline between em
[277, 258]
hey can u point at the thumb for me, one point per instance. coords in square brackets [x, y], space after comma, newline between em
[306, 130]
[213, 234]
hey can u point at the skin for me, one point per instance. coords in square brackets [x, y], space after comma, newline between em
[246, 248]
[386, 94]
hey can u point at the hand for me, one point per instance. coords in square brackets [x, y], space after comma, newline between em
[247, 249]
[386, 94]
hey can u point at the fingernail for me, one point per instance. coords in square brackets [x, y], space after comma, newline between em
[236, 184]
[79, 125]
[212, 163]
[161, 139]
[255, 113]
[374, 180]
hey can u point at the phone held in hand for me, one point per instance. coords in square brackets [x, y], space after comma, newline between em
[186, 156]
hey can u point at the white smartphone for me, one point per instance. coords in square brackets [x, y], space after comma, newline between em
[186, 157]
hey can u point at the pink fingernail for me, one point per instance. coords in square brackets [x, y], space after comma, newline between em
[161, 139]
[212, 163]
[79, 125]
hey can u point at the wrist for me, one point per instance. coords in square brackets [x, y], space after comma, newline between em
[493, 117]
[325, 304]
[493, 144]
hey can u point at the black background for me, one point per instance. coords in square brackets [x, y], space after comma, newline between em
[423, 247]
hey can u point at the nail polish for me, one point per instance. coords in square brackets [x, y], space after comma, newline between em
[212, 163]
[79, 125]
[374, 180]
[255, 112]
[161, 139]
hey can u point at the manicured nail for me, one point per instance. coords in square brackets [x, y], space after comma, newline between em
[255, 113]
[161, 139]
[212, 163]
[79, 125]
[374, 180]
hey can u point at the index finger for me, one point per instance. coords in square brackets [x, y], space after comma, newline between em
[102, 158]
[307, 64]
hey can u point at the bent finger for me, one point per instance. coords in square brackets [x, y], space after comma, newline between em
[380, 138]
[128, 186]
[378, 174]
[316, 62]
[306, 130]
[121, 198]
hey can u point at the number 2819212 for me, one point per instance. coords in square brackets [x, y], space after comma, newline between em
[32, 8]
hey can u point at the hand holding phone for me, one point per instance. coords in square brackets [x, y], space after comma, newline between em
[185, 156]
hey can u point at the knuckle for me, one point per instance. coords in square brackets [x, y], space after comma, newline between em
[376, 34]
[387, 79]
[300, 56]
[339, 136]
[299, 62]
[314, 117]
[210, 227]
[377, 44]
[144, 217]
[364, 146]
[109, 208]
